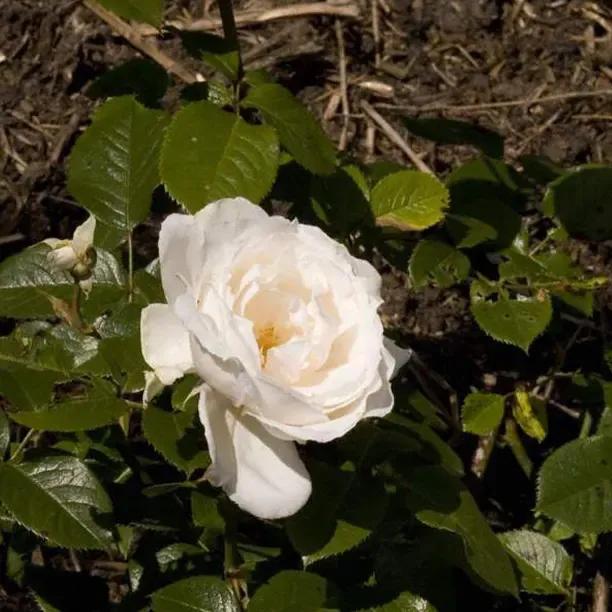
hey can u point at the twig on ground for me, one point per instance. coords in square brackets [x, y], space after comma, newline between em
[538, 132]
[63, 137]
[376, 32]
[394, 137]
[343, 85]
[308, 9]
[570, 95]
[146, 47]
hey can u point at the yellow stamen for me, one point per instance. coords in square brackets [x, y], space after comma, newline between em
[267, 338]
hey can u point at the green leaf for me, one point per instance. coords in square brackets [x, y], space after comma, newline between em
[205, 512]
[482, 412]
[58, 498]
[195, 594]
[544, 565]
[113, 167]
[517, 322]
[540, 169]
[451, 131]
[294, 591]
[174, 435]
[575, 485]
[530, 414]
[27, 281]
[209, 154]
[439, 262]
[341, 199]
[298, 130]
[216, 51]
[148, 11]
[97, 408]
[143, 78]
[409, 200]
[485, 197]
[581, 201]
[340, 514]
[441, 501]
[27, 389]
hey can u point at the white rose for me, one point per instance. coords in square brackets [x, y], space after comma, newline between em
[75, 255]
[281, 324]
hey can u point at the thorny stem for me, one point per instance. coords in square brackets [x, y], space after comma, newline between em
[232, 559]
[75, 314]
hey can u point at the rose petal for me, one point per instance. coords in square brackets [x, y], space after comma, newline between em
[178, 256]
[401, 356]
[83, 236]
[262, 474]
[165, 343]
[63, 258]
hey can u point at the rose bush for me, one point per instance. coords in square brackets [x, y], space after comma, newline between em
[280, 322]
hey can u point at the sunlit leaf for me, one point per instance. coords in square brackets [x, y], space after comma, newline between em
[544, 565]
[113, 167]
[298, 130]
[409, 200]
[482, 412]
[58, 498]
[210, 154]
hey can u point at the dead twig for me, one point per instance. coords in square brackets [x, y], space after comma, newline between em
[394, 137]
[343, 85]
[376, 33]
[570, 95]
[309, 9]
[601, 593]
[146, 47]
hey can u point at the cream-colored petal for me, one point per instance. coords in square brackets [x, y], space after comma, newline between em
[165, 343]
[260, 473]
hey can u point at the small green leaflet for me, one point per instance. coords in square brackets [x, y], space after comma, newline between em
[174, 435]
[113, 167]
[58, 498]
[581, 201]
[195, 594]
[297, 129]
[216, 51]
[409, 200]
[482, 412]
[209, 154]
[294, 591]
[575, 485]
[433, 260]
[148, 11]
[514, 321]
[544, 565]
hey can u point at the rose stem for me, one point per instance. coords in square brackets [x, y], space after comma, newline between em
[231, 35]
